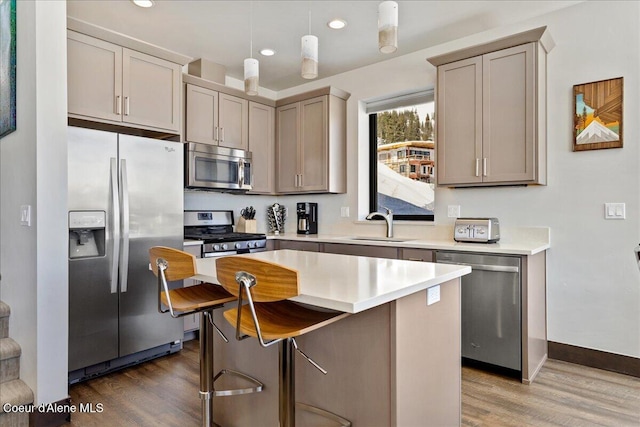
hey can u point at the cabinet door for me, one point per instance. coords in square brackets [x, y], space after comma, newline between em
[233, 119]
[288, 122]
[509, 114]
[314, 148]
[361, 250]
[201, 115]
[262, 147]
[459, 122]
[94, 77]
[151, 91]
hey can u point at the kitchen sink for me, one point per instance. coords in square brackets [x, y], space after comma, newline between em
[379, 239]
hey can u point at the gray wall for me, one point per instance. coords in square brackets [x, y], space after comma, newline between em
[33, 259]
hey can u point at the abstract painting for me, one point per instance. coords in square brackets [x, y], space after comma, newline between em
[598, 115]
[7, 67]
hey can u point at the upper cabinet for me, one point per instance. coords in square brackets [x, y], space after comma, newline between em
[216, 118]
[110, 83]
[491, 112]
[262, 144]
[311, 142]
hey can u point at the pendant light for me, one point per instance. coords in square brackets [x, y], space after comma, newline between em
[251, 65]
[388, 26]
[309, 54]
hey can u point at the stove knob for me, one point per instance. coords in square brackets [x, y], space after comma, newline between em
[224, 247]
[216, 247]
[250, 244]
[238, 245]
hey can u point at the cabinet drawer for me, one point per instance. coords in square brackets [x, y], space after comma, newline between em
[299, 246]
[423, 255]
[362, 250]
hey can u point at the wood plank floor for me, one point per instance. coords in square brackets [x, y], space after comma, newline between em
[164, 392]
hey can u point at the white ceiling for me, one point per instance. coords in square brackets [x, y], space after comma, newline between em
[219, 30]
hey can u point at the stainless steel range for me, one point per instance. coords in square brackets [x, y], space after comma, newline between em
[215, 228]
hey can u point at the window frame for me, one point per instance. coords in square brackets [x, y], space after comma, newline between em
[373, 175]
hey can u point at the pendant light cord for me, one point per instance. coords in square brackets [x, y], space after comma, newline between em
[250, 29]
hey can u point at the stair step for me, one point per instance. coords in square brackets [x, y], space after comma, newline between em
[9, 360]
[15, 392]
[5, 311]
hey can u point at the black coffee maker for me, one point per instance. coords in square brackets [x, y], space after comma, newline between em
[307, 218]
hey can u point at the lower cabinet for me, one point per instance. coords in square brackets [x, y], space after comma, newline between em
[192, 321]
[298, 246]
[361, 250]
[424, 255]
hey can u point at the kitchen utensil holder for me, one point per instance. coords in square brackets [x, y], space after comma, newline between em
[247, 225]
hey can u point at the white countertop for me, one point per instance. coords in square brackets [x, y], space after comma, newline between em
[520, 246]
[349, 283]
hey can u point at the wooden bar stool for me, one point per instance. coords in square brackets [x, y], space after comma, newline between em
[172, 264]
[271, 318]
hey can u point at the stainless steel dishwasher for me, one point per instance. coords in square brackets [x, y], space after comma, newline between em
[491, 322]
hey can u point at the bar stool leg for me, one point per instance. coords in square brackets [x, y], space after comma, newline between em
[206, 369]
[287, 383]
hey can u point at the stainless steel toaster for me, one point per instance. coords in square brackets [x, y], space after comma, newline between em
[481, 230]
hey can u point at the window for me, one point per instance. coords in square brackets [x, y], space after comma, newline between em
[401, 159]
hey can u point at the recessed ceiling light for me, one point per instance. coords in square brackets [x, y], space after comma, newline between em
[337, 24]
[143, 3]
[267, 52]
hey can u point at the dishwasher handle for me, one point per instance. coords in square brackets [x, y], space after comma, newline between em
[484, 267]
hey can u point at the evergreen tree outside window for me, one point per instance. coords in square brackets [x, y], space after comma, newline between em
[401, 156]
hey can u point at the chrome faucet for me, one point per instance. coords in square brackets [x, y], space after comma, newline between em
[388, 217]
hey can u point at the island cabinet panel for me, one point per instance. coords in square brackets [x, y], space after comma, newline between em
[112, 84]
[361, 250]
[394, 365]
[491, 118]
[298, 245]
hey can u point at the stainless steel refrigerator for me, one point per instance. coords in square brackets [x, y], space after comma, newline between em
[125, 196]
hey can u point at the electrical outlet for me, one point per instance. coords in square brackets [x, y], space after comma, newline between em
[433, 294]
[453, 211]
[344, 211]
[614, 211]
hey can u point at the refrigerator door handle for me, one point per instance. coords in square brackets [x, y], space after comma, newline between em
[124, 252]
[115, 214]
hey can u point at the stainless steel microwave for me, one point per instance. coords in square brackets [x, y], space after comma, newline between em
[217, 168]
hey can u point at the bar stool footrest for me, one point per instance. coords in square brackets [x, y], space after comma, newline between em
[343, 422]
[258, 386]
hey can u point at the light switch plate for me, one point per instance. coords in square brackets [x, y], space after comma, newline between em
[453, 211]
[433, 294]
[614, 211]
[344, 211]
[25, 215]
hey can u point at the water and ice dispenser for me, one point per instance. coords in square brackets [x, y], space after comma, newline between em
[86, 234]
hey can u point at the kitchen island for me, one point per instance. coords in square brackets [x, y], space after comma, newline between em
[394, 362]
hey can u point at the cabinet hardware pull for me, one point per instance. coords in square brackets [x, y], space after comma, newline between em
[484, 166]
[215, 133]
[415, 259]
[301, 181]
[477, 167]
[126, 105]
[118, 105]
[221, 134]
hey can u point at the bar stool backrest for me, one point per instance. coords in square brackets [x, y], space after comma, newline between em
[180, 265]
[274, 282]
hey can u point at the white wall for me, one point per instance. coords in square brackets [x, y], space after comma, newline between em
[593, 283]
[34, 172]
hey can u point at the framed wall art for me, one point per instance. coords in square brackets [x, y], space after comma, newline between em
[597, 122]
[7, 67]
